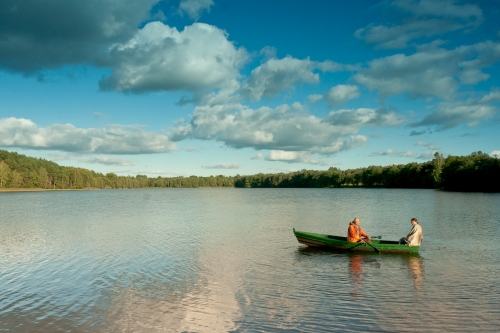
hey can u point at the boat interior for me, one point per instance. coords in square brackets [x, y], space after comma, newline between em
[373, 240]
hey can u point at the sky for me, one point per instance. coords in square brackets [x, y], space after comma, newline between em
[219, 87]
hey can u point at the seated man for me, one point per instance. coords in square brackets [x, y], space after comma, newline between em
[355, 233]
[415, 236]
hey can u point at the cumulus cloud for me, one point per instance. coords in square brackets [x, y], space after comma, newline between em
[107, 160]
[390, 152]
[426, 18]
[492, 97]
[276, 75]
[341, 94]
[363, 117]
[451, 114]
[495, 153]
[160, 58]
[315, 98]
[221, 166]
[287, 128]
[430, 71]
[194, 8]
[38, 35]
[23, 133]
[294, 157]
[34, 39]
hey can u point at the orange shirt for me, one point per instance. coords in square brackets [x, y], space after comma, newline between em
[353, 235]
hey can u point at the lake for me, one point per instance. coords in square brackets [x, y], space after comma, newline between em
[226, 260]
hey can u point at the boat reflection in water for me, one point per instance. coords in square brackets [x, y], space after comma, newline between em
[417, 270]
[370, 270]
[356, 274]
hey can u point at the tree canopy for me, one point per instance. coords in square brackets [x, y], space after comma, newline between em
[476, 172]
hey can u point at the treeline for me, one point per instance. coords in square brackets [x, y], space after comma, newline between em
[476, 172]
[20, 171]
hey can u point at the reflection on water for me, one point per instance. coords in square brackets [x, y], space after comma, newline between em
[208, 306]
[356, 273]
[417, 270]
[226, 260]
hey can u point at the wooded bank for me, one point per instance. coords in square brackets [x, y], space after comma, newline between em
[475, 172]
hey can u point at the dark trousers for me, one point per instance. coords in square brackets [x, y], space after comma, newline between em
[403, 241]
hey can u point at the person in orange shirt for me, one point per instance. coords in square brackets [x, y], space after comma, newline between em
[355, 233]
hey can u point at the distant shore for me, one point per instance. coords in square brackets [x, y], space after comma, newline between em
[44, 189]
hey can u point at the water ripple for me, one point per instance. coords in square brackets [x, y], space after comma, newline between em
[225, 260]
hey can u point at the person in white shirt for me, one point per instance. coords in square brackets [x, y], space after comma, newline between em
[415, 236]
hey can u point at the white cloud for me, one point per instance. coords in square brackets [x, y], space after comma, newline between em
[315, 98]
[107, 160]
[390, 152]
[160, 58]
[363, 117]
[429, 145]
[276, 75]
[268, 52]
[23, 133]
[287, 128]
[259, 156]
[341, 94]
[452, 114]
[295, 157]
[409, 153]
[428, 155]
[39, 35]
[194, 8]
[492, 97]
[431, 71]
[495, 153]
[427, 18]
[221, 166]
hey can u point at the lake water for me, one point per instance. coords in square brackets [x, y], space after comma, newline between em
[226, 260]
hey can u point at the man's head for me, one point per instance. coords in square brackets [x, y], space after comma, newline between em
[413, 221]
[356, 220]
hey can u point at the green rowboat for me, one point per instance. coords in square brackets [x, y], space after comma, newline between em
[341, 243]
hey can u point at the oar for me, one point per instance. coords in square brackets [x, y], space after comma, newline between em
[373, 247]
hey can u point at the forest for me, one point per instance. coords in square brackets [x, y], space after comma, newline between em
[476, 172]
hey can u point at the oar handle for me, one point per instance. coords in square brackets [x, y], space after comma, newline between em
[370, 245]
[376, 237]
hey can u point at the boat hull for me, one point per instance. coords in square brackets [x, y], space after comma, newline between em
[340, 243]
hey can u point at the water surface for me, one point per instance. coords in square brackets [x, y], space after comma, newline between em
[226, 260]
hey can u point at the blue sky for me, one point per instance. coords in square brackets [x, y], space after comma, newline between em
[208, 87]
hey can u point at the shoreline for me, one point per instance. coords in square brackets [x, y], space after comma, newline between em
[35, 189]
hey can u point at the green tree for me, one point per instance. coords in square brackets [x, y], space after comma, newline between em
[44, 177]
[16, 179]
[438, 163]
[4, 173]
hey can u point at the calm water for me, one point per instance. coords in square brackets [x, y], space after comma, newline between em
[226, 260]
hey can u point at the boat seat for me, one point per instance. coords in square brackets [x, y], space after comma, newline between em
[388, 242]
[338, 238]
